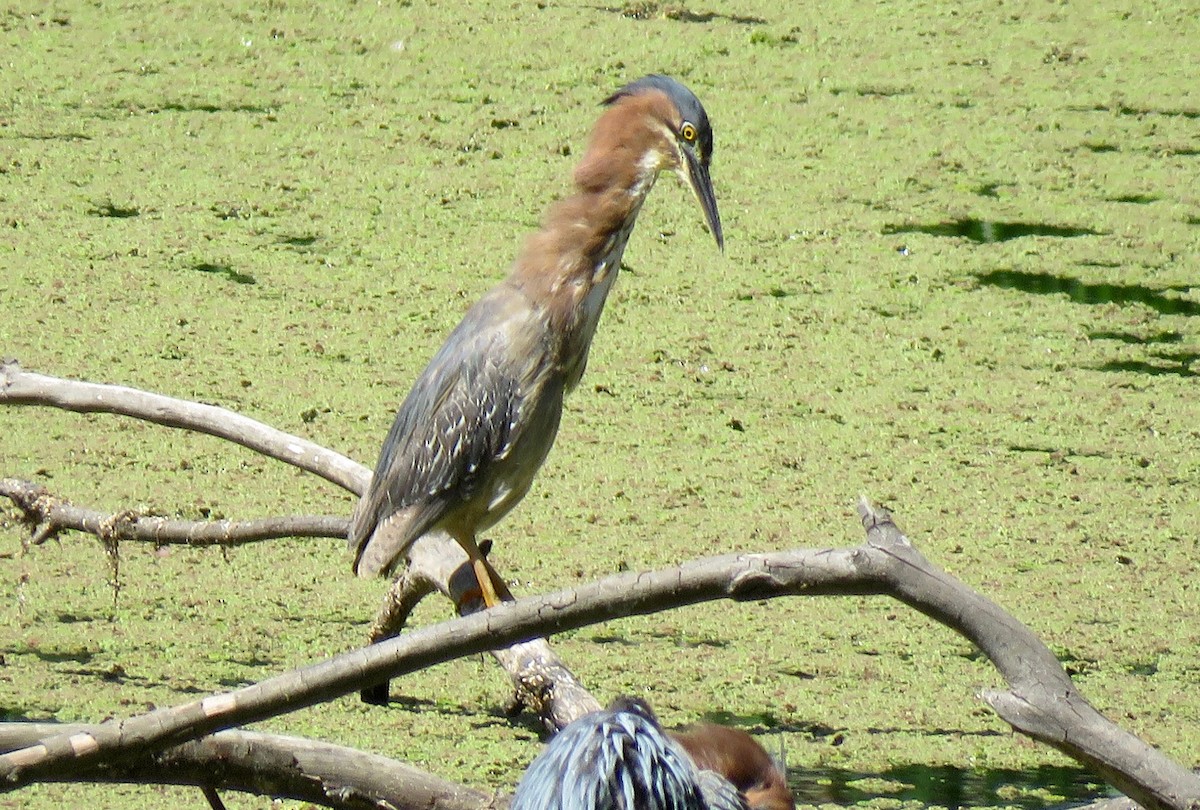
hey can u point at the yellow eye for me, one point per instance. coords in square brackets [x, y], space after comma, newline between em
[688, 132]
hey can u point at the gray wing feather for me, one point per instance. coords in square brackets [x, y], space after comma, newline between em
[719, 792]
[460, 415]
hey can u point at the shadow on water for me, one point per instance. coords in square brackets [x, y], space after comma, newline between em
[1136, 199]
[986, 232]
[949, 787]
[1137, 340]
[197, 107]
[1138, 112]
[226, 271]
[1084, 293]
[1178, 364]
[110, 210]
[649, 10]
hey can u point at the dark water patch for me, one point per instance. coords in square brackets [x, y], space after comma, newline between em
[872, 91]
[226, 213]
[949, 787]
[1055, 452]
[298, 242]
[1146, 668]
[75, 618]
[1139, 340]
[1178, 365]
[1182, 358]
[11, 714]
[113, 673]
[1178, 151]
[763, 37]
[986, 231]
[759, 722]
[770, 292]
[1139, 199]
[1125, 109]
[1084, 293]
[225, 270]
[611, 639]
[207, 107]
[673, 11]
[802, 674]
[108, 209]
[234, 683]
[62, 656]
[1075, 666]
[51, 136]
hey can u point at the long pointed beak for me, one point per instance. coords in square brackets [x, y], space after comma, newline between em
[701, 183]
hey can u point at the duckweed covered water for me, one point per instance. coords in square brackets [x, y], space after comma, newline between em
[282, 208]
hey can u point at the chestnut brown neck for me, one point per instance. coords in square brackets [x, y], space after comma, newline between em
[570, 263]
[736, 755]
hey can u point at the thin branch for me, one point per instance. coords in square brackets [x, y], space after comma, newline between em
[744, 576]
[19, 387]
[50, 515]
[543, 684]
[274, 765]
[1043, 701]
[212, 797]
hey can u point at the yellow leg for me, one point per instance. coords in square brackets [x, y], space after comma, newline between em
[486, 587]
[491, 587]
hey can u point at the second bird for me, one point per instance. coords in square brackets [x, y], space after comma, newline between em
[479, 421]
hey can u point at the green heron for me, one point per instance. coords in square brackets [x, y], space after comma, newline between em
[620, 758]
[479, 421]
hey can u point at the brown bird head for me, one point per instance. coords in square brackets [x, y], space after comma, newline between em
[652, 124]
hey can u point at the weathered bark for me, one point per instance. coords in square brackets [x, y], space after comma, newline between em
[1042, 701]
[542, 683]
[746, 576]
[274, 765]
[48, 515]
[20, 387]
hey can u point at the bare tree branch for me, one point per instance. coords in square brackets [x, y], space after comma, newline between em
[738, 576]
[1042, 702]
[274, 765]
[19, 387]
[543, 684]
[50, 514]
[888, 564]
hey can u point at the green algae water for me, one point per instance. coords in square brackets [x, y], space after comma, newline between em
[949, 787]
[960, 277]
